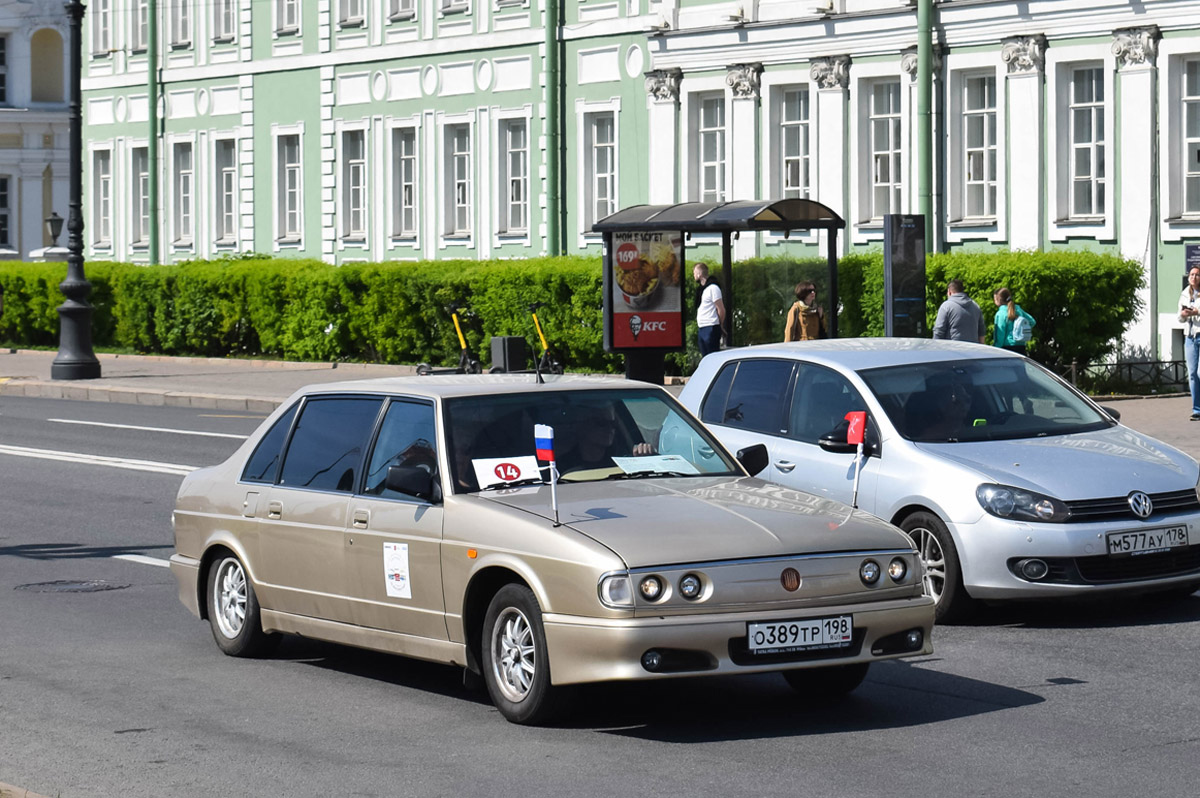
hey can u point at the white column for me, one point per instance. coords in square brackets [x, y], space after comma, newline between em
[1026, 192]
[832, 77]
[742, 145]
[662, 88]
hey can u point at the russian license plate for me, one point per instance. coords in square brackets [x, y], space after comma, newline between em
[779, 636]
[1145, 541]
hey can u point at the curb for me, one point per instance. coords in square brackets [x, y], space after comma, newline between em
[137, 396]
[214, 361]
[9, 791]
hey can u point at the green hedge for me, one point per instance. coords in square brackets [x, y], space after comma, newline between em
[397, 312]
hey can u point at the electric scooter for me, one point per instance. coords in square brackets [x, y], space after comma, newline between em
[467, 362]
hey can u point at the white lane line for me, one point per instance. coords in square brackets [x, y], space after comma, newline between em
[143, 559]
[150, 429]
[96, 459]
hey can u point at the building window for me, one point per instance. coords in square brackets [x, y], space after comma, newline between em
[102, 189]
[458, 167]
[1191, 137]
[181, 23]
[712, 149]
[3, 70]
[290, 216]
[514, 180]
[401, 9]
[140, 227]
[354, 184]
[225, 172]
[793, 121]
[1086, 137]
[454, 6]
[600, 148]
[979, 146]
[287, 16]
[224, 20]
[351, 12]
[140, 25]
[884, 141]
[184, 193]
[101, 14]
[404, 177]
[4, 211]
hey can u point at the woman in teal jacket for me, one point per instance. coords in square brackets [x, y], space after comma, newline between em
[1010, 334]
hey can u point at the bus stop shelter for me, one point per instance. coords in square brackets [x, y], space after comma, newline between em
[728, 219]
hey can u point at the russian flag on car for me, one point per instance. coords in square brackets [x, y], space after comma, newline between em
[543, 440]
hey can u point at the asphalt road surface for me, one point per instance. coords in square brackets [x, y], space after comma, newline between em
[121, 692]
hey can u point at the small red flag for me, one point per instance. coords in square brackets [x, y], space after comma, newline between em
[858, 426]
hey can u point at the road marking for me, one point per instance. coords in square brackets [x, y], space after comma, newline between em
[150, 429]
[229, 415]
[96, 459]
[143, 559]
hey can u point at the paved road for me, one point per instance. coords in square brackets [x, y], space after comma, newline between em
[122, 692]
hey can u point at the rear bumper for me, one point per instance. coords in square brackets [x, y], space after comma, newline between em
[187, 575]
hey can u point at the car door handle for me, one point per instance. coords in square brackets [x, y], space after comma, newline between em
[360, 519]
[275, 510]
[784, 465]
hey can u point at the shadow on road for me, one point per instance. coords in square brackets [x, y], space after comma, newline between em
[1153, 609]
[74, 551]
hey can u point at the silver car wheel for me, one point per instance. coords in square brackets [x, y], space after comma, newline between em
[934, 560]
[513, 654]
[229, 598]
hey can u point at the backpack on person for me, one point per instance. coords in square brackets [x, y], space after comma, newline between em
[1022, 330]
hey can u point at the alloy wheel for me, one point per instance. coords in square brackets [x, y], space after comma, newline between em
[229, 598]
[513, 654]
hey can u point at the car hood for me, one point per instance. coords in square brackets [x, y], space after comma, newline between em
[1085, 465]
[656, 522]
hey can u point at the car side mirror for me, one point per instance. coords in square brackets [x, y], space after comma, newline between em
[1113, 412]
[834, 441]
[753, 458]
[412, 481]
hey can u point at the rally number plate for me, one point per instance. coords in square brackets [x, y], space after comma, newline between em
[780, 636]
[1145, 541]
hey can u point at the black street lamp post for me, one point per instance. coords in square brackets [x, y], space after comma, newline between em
[54, 224]
[75, 359]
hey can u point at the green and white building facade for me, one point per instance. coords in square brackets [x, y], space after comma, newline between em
[429, 129]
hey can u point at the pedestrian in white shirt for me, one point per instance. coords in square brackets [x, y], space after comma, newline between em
[710, 310]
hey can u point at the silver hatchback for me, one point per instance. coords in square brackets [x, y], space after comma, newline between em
[1011, 483]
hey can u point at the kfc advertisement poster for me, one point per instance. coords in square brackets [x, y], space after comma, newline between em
[647, 291]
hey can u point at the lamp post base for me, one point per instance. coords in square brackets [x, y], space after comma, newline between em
[75, 369]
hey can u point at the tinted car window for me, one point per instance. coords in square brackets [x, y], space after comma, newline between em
[820, 402]
[713, 410]
[326, 448]
[756, 397]
[406, 438]
[263, 465]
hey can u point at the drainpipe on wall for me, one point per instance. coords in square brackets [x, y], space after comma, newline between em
[152, 142]
[925, 117]
[553, 126]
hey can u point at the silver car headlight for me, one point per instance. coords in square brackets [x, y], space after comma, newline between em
[616, 590]
[1005, 502]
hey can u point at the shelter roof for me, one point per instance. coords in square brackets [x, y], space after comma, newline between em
[785, 214]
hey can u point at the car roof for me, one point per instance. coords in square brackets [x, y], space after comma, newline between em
[451, 385]
[858, 354]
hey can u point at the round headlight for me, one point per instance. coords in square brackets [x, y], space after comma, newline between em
[689, 586]
[1044, 509]
[869, 572]
[897, 569]
[1003, 502]
[651, 587]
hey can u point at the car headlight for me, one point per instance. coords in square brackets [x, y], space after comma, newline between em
[690, 586]
[616, 590]
[652, 588]
[869, 572]
[897, 569]
[1006, 502]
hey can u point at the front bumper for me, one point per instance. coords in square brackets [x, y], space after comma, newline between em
[1076, 556]
[595, 650]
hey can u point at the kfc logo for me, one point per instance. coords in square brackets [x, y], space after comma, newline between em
[635, 325]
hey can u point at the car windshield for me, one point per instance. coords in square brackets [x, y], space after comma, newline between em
[598, 435]
[980, 400]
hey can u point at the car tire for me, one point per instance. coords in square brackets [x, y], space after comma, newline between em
[424, 369]
[233, 611]
[823, 684]
[516, 663]
[943, 572]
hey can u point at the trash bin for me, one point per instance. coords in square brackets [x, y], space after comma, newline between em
[509, 353]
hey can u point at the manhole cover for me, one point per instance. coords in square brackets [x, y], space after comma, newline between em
[69, 586]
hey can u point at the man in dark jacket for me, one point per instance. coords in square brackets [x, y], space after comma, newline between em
[959, 318]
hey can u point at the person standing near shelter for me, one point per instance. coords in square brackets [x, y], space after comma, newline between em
[959, 318]
[710, 310]
[1013, 326]
[1189, 316]
[805, 320]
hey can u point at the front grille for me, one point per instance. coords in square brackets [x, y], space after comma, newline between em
[1103, 569]
[1117, 507]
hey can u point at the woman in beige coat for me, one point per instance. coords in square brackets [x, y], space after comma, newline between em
[805, 320]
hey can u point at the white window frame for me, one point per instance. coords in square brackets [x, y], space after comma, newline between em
[225, 191]
[352, 13]
[1189, 154]
[181, 24]
[353, 178]
[102, 197]
[712, 177]
[799, 185]
[862, 227]
[598, 190]
[453, 7]
[774, 86]
[885, 153]
[6, 210]
[139, 25]
[183, 192]
[139, 207]
[512, 181]
[287, 16]
[225, 20]
[101, 14]
[961, 227]
[458, 191]
[285, 234]
[1087, 159]
[405, 181]
[402, 9]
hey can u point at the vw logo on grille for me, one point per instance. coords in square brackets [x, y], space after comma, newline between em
[1140, 504]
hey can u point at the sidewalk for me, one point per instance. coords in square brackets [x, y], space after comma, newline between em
[260, 385]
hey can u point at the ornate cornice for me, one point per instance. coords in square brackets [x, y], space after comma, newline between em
[908, 61]
[832, 72]
[1136, 46]
[744, 80]
[1024, 54]
[663, 84]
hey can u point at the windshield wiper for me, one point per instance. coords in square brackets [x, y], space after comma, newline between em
[516, 483]
[648, 473]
